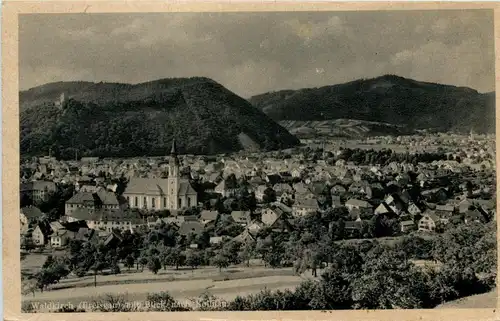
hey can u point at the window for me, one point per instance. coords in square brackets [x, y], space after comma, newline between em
[144, 202]
[128, 199]
[136, 201]
[164, 202]
[179, 203]
[153, 202]
[189, 201]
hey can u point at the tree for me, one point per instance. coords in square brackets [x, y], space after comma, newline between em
[143, 261]
[193, 259]
[269, 195]
[247, 251]
[115, 268]
[334, 292]
[154, 264]
[129, 262]
[221, 261]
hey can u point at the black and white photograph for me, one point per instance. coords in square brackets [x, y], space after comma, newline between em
[257, 161]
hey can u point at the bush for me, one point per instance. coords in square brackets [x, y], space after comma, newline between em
[163, 302]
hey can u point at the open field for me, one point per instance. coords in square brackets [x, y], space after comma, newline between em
[192, 284]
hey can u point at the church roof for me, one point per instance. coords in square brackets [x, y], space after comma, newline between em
[152, 186]
[185, 188]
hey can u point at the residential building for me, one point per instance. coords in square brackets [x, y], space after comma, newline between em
[304, 207]
[208, 216]
[91, 200]
[241, 217]
[30, 214]
[428, 222]
[38, 191]
[41, 233]
[359, 204]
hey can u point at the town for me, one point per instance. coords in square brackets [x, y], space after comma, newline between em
[266, 210]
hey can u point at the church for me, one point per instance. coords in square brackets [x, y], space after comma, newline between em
[172, 193]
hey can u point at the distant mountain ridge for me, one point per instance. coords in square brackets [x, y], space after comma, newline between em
[389, 99]
[124, 120]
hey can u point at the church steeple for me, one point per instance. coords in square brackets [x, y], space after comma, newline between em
[173, 151]
[174, 161]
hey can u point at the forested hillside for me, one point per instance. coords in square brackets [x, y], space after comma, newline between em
[390, 99]
[135, 120]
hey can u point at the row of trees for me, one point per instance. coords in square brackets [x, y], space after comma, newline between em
[367, 275]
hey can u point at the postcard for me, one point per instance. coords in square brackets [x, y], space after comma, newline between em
[249, 161]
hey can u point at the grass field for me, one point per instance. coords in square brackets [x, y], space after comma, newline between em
[186, 284]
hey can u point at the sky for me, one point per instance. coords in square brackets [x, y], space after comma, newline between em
[253, 53]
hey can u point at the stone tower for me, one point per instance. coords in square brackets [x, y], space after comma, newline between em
[173, 178]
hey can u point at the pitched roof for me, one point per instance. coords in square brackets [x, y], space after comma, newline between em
[359, 203]
[81, 197]
[308, 203]
[431, 214]
[31, 212]
[185, 188]
[209, 215]
[44, 228]
[152, 186]
[240, 216]
[407, 223]
[190, 227]
[446, 208]
[107, 198]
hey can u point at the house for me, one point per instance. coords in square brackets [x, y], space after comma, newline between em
[383, 208]
[245, 237]
[108, 219]
[353, 226]
[38, 191]
[30, 214]
[172, 193]
[473, 216]
[428, 222]
[407, 226]
[208, 216]
[364, 206]
[305, 206]
[91, 200]
[61, 238]
[282, 188]
[413, 209]
[254, 227]
[270, 215]
[338, 190]
[41, 234]
[187, 228]
[226, 188]
[445, 210]
[281, 224]
[300, 188]
[241, 217]
[259, 192]
[216, 239]
[395, 203]
[297, 173]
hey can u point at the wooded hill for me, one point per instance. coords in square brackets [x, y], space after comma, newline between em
[123, 120]
[389, 99]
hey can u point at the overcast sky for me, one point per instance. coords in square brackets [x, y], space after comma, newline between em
[252, 53]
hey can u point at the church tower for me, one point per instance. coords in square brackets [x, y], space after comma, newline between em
[173, 178]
